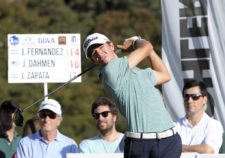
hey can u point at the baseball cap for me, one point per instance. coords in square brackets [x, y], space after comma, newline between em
[51, 104]
[95, 38]
[9, 104]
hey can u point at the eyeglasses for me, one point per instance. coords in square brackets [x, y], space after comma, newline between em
[51, 115]
[104, 114]
[193, 96]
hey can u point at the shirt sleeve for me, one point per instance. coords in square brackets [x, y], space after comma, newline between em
[22, 150]
[74, 147]
[84, 147]
[214, 136]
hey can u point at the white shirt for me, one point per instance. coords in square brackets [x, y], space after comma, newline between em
[207, 131]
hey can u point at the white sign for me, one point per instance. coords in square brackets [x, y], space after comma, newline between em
[120, 155]
[94, 155]
[43, 58]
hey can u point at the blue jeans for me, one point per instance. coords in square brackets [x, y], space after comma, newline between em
[169, 147]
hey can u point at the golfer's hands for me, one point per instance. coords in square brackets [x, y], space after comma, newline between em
[129, 44]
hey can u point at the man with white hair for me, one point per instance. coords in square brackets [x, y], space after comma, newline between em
[48, 142]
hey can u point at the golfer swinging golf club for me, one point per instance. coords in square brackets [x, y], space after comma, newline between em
[150, 132]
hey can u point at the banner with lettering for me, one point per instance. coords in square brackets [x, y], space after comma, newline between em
[193, 47]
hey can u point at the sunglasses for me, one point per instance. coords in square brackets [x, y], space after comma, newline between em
[104, 114]
[51, 115]
[193, 96]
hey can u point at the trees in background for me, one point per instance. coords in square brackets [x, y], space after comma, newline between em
[117, 19]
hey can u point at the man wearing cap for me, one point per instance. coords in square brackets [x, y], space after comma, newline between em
[9, 138]
[48, 142]
[151, 131]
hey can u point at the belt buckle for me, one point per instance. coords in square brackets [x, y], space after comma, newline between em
[160, 135]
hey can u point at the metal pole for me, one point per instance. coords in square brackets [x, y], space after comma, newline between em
[59, 87]
[46, 90]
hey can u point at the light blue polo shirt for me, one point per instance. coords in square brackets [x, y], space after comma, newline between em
[98, 145]
[134, 91]
[35, 147]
